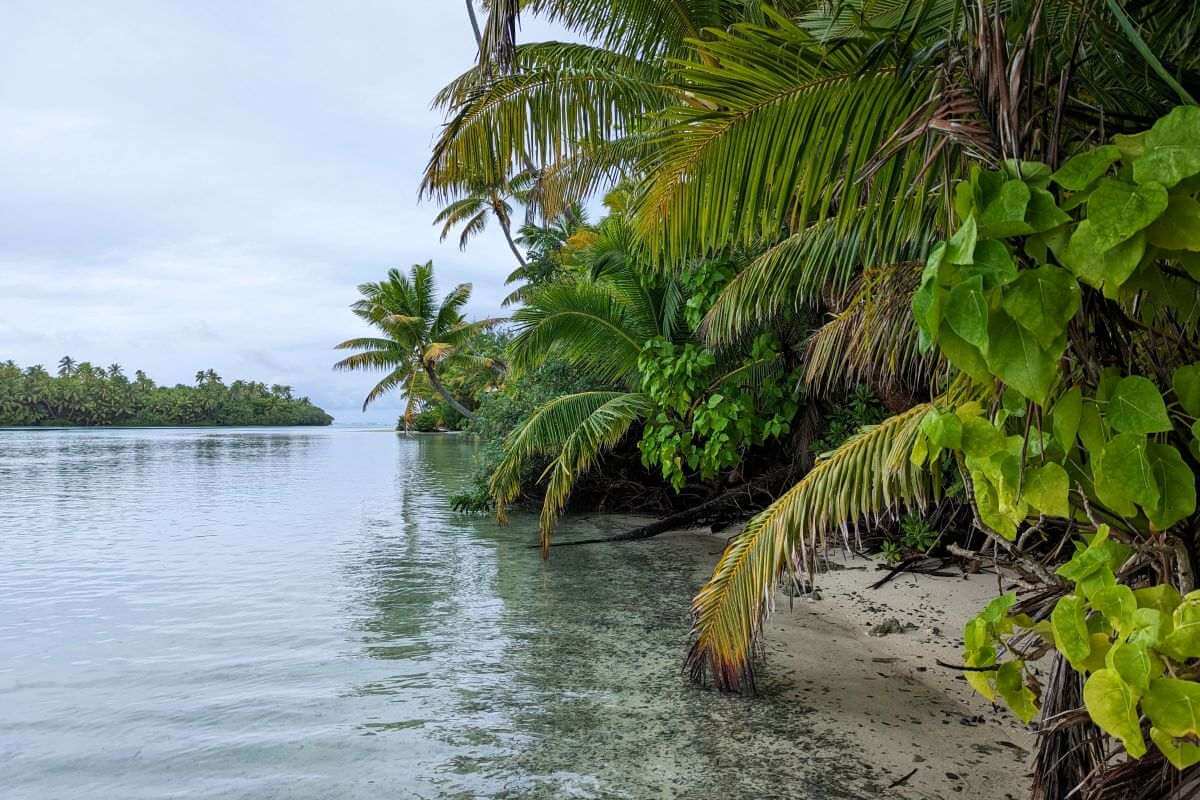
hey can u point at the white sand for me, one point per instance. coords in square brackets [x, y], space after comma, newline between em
[885, 694]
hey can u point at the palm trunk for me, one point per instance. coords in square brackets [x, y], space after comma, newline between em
[507, 228]
[475, 25]
[438, 387]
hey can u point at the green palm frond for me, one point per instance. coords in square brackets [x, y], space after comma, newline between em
[559, 98]
[545, 433]
[782, 129]
[601, 430]
[873, 340]
[584, 322]
[868, 476]
[805, 269]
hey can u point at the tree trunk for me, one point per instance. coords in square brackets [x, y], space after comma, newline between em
[437, 385]
[475, 26]
[504, 226]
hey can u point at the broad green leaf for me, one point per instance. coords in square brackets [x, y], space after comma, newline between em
[1150, 627]
[1136, 665]
[927, 311]
[1131, 145]
[1173, 706]
[1118, 604]
[1013, 403]
[1112, 704]
[980, 438]
[1069, 623]
[1095, 265]
[1162, 597]
[1047, 489]
[1078, 172]
[963, 355]
[966, 311]
[960, 248]
[1088, 567]
[1098, 657]
[1183, 642]
[1179, 752]
[1136, 406]
[1091, 430]
[1118, 210]
[943, 428]
[1176, 485]
[993, 262]
[1011, 686]
[1064, 421]
[1035, 173]
[1015, 356]
[1043, 301]
[1003, 214]
[1186, 383]
[1043, 214]
[1172, 149]
[1179, 226]
[1125, 471]
[996, 611]
[920, 450]
[987, 503]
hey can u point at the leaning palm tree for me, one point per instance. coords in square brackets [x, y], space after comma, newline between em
[66, 366]
[418, 334]
[471, 211]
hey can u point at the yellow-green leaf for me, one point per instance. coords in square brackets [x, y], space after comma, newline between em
[1112, 705]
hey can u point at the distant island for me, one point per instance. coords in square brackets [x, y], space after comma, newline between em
[84, 395]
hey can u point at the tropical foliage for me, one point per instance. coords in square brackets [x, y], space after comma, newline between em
[982, 213]
[86, 395]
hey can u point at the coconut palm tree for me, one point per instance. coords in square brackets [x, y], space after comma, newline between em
[66, 366]
[470, 213]
[418, 334]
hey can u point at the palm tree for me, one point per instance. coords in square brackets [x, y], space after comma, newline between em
[471, 213]
[201, 377]
[66, 366]
[116, 371]
[418, 334]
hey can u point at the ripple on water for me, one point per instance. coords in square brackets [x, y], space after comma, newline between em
[297, 613]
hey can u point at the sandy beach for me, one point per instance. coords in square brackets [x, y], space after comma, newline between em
[913, 723]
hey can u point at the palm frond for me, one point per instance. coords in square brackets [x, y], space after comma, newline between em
[868, 476]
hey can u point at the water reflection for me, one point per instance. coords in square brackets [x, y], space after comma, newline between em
[298, 614]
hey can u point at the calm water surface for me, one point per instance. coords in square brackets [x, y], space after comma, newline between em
[296, 613]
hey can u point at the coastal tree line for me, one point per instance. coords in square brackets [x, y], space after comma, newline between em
[910, 274]
[80, 393]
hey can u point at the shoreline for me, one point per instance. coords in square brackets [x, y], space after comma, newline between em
[916, 724]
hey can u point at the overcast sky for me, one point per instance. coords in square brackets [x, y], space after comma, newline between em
[186, 184]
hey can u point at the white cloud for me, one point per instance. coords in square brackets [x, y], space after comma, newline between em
[195, 185]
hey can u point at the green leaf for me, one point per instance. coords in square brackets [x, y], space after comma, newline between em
[1179, 226]
[1047, 489]
[1150, 627]
[1078, 172]
[1183, 642]
[1015, 356]
[960, 248]
[1064, 420]
[963, 355]
[1172, 149]
[1069, 624]
[1176, 486]
[1003, 214]
[1112, 704]
[1011, 686]
[1186, 383]
[1118, 604]
[1118, 210]
[943, 428]
[966, 311]
[1043, 214]
[1136, 665]
[1136, 406]
[993, 262]
[1173, 706]
[1091, 430]
[1043, 301]
[987, 503]
[1179, 752]
[980, 438]
[1094, 265]
[1162, 597]
[1126, 472]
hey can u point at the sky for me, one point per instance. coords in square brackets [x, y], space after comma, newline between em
[186, 185]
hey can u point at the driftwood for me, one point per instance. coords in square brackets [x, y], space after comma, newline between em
[734, 501]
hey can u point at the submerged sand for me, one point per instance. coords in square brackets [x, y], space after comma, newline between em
[914, 723]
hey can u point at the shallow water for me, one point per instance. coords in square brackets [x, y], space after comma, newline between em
[296, 613]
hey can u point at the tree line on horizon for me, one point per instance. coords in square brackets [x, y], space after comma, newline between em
[892, 273]
[83, 394]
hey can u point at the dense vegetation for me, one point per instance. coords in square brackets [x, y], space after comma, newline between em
[86, 395]
[931, 263]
